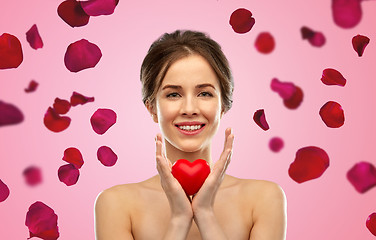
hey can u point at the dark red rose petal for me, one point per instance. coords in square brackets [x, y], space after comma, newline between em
[10, 51]
[72, 13]
[333, 77]
[332, 114]
[99, 7]
[81, 55]
[346, 13]
[310, 163]
[106, 156]
[32, 86]
[68, 174]
[316, 39]
[260, 119]
[33, 37]
[61, 106]
[10, 114]
[55, 122]
[276, 144]
[32, 175]
[77, 98]
[265, 43]
[284, 89]
[371, 223]
[359, 43]
[73, 155]
[42, 222]
[4, 191]
[362, 176]
[307, 33]
[102, 120]
[241, 20]
[295, 100]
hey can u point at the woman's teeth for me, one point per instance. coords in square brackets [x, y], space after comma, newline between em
[190, 128]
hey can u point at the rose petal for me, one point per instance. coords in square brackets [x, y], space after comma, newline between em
[276, 144]
[333, 77]
[284, 89]
[4, 191]
[316, 39]
[10, 114]
[241, 20]
[33, 37]
[371, 223]
[61, 106]
[32, 175]
[10, 51]
[102, 120]
[346, 13]
[332, 114]
[106, 156]
[42, 222]
[295, 100]
[73, 155]
[32, 86]
[77, 98]
[260, 119]
[55, 122]
[265, 43]
[81, 55]
[310, 163]
[68, 174]
[359, 43]
[99, 7]
[72, 13]
[362, 176]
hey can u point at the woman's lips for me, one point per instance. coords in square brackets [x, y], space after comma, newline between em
[191, 132]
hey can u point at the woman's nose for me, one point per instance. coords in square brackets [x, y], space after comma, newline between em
[189, 106]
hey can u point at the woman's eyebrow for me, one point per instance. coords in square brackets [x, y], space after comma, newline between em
[197, 86]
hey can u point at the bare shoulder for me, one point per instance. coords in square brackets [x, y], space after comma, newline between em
[264, 189]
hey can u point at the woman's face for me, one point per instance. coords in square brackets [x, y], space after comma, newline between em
[188, 104]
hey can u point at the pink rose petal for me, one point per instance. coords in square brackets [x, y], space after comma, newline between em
[362, 176]
[99, 7]
[77, 98]
[241, 20]
[106, 156]
[73, 155]
[346, 13]
[10, 51]
[33, 37]
[32, 175]
[371, 223]
[72, 13]
[316, 39]
[284, 89]
[276, 144]
[102, 120]
[55, 122]
[68, 174]
[42, 222]
[332, 114]
[61, 106]
[81, 55]
[310, 163]
[4, 191]
[260, 119]
[359, 43]
[333, 77]
[32, 86]
[295, 100]
[265, 43]
[10, 114]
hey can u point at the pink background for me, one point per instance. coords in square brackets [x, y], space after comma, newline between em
[324, 208]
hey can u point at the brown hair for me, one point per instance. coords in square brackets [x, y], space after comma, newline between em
[171, 47]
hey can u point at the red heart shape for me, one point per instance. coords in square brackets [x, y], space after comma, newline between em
[191, 175]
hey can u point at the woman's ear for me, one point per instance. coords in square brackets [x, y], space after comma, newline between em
[151, 109]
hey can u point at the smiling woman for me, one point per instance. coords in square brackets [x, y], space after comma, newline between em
[187, 87]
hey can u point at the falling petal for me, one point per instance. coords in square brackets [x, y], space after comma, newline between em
[265, 43]
[72, 13]
[106, 156]
[276, 144]
[362, 176]
[61, 106]
[333, 77]
[81, 55]
[241, 20]
[10, 51]
[73, 155]
[4, 191]
[10, 114]
[295, 100]
[316, 39]
[332, 114]
[371, 223]
[42, 222]
[102, 120]
[68, 174]
[32, 175]
[32, 86]
[346, 13]
[359, 43]
[33, 37]
[99, 7]
[284, 89]
[55, 122]
[260, 119]
[77, 98]
[310, 163]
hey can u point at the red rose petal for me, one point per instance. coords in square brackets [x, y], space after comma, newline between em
[81, 55]
[265, 43]
[77, 98]
[295, 100]
[10, 51]
[106, 156]
[68, 174]
[32, 175]
[55, 122]
[241, 20]
[362, 176]
[72, 13]
[73, 155]
[359, 43]
[32, 86]
[42, 222]
[332, 114]
[371, 223]
[346, 13]
[33, 37]
[333, 77]
[310, 163]
[61, 106]
[102, 120]
[276, 144]
[99, 7]
[260, 119]
[10, 114]
[4, 191]
[316, 39]
[284, 89]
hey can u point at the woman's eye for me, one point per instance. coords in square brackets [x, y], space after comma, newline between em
[206, 94]
[172, 95]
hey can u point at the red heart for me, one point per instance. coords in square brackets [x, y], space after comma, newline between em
[190, 175]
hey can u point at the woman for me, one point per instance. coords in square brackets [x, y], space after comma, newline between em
[187, 87]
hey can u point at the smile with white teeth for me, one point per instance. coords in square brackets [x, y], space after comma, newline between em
[190, 128]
